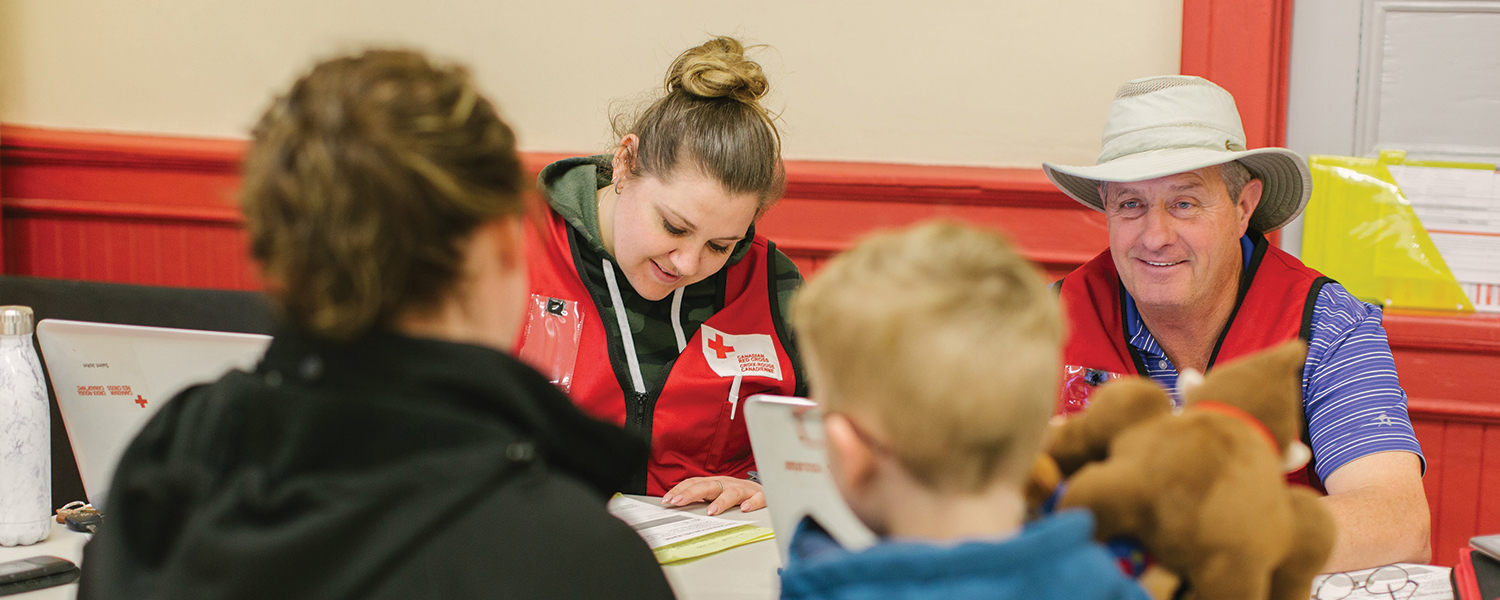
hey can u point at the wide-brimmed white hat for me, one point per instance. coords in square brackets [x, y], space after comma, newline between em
[1161, 126]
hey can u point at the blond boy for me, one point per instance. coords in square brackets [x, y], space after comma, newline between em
[935, 354]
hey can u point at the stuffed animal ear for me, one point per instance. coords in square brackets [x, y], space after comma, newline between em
[1043, 481]
[1189, 379]
[1114, 407]
[1295, 456]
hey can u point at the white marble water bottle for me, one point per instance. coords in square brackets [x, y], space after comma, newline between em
[25, 435]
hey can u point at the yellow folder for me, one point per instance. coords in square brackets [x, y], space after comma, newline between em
[1360, 230]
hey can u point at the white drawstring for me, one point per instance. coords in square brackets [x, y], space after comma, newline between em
[677, 320]
[614, 297]
[734, 394]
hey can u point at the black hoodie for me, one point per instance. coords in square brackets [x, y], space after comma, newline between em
[392, 467]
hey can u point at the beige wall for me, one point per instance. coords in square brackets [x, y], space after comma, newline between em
[980, 82]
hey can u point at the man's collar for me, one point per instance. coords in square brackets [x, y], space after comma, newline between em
[1135, 328]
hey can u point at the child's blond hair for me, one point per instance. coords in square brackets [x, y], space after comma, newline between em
[943, 342]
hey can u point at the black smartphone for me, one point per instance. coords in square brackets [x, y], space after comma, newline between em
[35, 573]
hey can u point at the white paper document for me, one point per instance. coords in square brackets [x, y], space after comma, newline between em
[1399, 581]
[1460, 209]
[662, 526]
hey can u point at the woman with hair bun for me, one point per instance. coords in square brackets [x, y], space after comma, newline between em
[654, 302]
[387, 445]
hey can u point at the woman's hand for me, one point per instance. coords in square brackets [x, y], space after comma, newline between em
[724, 492]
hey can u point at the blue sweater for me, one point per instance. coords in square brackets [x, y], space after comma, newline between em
[1053, 557]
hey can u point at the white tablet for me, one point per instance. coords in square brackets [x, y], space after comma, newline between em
[786, 434]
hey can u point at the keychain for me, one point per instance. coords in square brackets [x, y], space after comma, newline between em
[80, 516]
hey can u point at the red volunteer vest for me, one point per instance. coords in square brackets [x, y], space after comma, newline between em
[1275, 304]
[694, 429]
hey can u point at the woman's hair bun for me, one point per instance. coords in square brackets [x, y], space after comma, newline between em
[717, 69]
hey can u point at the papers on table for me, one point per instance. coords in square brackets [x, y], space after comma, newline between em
[1460, 209]
[1399, 581]
[675, 534]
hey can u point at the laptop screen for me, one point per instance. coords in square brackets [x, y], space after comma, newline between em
[110, 379]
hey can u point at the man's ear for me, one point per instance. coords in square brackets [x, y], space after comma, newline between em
[625, 153]
[1248, 200]
[851, 460]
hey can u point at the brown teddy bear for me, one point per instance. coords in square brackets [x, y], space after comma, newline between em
[1204, 491]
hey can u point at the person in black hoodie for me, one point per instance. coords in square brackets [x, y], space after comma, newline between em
[387, 446]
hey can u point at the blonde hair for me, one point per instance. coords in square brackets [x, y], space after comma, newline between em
[710, 117]
[944, 342]
[364, 183]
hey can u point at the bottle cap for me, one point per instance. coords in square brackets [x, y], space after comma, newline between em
[15, 320]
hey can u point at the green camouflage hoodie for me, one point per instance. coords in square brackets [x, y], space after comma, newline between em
[571, 186]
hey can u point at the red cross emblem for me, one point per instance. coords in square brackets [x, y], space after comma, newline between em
[717, 344]
[141, 400]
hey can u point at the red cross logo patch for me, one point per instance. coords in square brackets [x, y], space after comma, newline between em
[752, 354]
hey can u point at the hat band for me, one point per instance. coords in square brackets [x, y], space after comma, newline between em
[1174, 136]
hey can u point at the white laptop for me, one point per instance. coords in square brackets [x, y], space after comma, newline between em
[786, 434]
[110, 379]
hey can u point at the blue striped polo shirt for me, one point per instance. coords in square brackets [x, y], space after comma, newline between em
[1354, 402]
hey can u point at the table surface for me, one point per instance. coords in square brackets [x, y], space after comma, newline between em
[62, 543]
[742, 573]
[746, 572]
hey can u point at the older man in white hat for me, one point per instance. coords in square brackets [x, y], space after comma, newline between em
[1189, 280]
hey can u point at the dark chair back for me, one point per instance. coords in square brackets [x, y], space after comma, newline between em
[183, 308]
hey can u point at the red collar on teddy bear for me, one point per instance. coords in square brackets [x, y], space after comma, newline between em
[1236, 412]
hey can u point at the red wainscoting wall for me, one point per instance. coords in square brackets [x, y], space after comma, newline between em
[1445, 364]
[161, 211]
[137, 209]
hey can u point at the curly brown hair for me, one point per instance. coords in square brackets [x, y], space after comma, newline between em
[364, 183]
